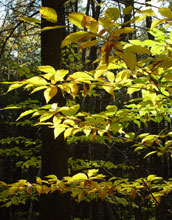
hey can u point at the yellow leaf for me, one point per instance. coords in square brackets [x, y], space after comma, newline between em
[36, 80]
[156, 22]
[87, 131]
[138, 49]
[74, 37]
[69, 122]
[76, 19]
[81, 196]
[31, 20]
[58, 130]
[148, 12]
[98, 73]
[51, 28]
[109, 89]
[49, 14]
[137, 19]
[168, 76]
[14, 86]
[38, 189]
[47, 69]
[25, 113]
[112, 13]
[68, 132]
[92, 172]
[90, 23]
[38, 89]
[124, 30]
[88, 44]
[110, 76]
[62, 72]
[78, 177]
[49, 93]
[130, 59]
[106, 23]
[127, 10]
[12, 190]
[70, 111]
[74, 89]
[165, 12]
[38, 180]
[80, 76]
[123, 76]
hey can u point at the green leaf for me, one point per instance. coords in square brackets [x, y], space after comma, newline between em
[49, 14]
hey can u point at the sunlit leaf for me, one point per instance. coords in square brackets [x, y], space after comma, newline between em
[49, 14]
[148, 12]
[30, 20]
[58, 130]
[74, 37]
[49, 93]
[14, 86]
[90, 23]
[76, 19]
[51, 28]
[23, 114]
[36, 80]
[68, 132]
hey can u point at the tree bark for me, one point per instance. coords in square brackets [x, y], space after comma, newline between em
[54, 152]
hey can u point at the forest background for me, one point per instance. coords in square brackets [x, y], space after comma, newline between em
[98, 142]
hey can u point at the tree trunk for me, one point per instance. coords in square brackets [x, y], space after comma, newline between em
[54, 152]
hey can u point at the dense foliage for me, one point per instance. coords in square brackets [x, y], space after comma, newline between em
[132, 80]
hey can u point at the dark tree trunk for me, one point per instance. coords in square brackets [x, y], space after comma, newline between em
[54, 152]
[149, 20]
